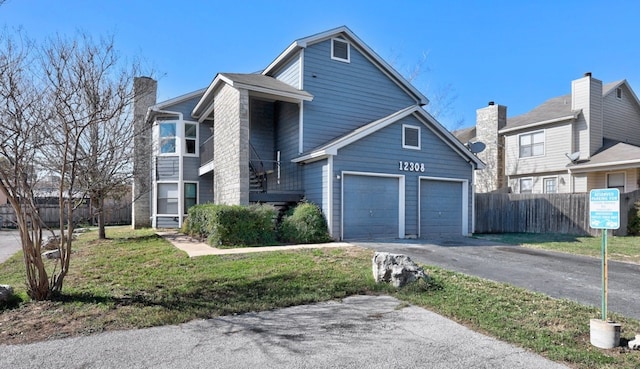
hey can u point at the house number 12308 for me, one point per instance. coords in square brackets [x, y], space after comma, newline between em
[409, 166]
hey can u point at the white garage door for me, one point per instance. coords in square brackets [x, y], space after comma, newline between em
[440, 208]
[370, 207]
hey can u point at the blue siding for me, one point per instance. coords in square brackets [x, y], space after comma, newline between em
[190, 167]
[290, 73]
[382, 152]
[261, 128]
[287, 128]
[167, 168]
[315, 181]
[205, 188]
[346, 95]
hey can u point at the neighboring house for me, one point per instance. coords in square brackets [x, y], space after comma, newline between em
[327, 120]
[572, 143]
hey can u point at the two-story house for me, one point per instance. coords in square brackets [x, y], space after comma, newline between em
[327, 120]
[573, 143]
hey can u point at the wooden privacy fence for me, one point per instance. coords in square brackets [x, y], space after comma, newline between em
[115, 214]
[542, 213]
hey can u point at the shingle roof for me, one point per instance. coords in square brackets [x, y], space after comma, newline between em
[612, 153]
[270, 83]
[465, 134]
[551, 109]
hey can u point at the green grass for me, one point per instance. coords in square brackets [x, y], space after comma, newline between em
[625, 249]
[137, 279]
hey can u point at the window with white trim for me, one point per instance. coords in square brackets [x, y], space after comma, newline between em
[526, 185]
[340, 50]
[410, 137]
[190, 138]
[167, 199]
[616, 180]
[531, 144]
[190, 196]
[167, 137]
[550, 185]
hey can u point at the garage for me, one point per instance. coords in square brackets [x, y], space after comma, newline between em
[441, 208]
[372, 205]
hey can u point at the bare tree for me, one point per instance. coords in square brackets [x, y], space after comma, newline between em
[93, 96]
[23, 121]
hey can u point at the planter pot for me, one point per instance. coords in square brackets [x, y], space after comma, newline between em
[604, 334]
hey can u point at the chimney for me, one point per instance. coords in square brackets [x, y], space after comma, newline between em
[145, 90]
[489, 120]
[586, 96]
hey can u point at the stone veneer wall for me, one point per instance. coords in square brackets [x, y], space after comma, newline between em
[488, 121]
[145, 90]
[231, 146]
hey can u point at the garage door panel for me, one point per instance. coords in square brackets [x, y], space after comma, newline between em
[440, 208]
[371, 206]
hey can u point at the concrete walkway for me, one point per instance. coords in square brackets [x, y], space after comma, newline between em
[194, 247]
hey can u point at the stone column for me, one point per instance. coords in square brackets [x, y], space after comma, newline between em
[489, 120]
[145, 90]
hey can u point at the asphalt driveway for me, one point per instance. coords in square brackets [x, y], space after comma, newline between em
[9, 244]
[559, 275]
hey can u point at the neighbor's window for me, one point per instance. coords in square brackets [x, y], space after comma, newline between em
[167, 138]
[619, 93]
[526, 185]
[190, 195]
[340, 50]
[616, 180]
[550, 185]
[167, 198]
[532, 144]
[410, 137]
[190, 137]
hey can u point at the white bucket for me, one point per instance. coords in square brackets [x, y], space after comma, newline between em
[604, 334]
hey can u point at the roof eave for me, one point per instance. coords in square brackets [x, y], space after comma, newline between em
[542, 123]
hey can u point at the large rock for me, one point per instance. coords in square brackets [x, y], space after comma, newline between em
[397, 269]
[6, 292]
[53, 254]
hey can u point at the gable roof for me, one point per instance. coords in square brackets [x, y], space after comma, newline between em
[252, 82]
[332, 147]
[553, 110]
[161, 106]
[613, 155]
[346, 33]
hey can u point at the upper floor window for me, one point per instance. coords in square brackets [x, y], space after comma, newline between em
[616, 180]
[190, 138]
[526, 185]
[168, 138]
[619, 93]
[340, 50]
[532, 144]
[550, 185]
[410, 137]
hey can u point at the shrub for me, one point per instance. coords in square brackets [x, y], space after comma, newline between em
[633, 226]
[305, 223]
[225, 225]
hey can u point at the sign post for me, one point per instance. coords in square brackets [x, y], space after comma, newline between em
[604, 213]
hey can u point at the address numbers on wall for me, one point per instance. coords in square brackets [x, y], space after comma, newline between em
[410, 166]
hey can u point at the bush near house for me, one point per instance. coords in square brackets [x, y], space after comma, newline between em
[225, 225]
[633, 227]
[256, 225]
[304, 224]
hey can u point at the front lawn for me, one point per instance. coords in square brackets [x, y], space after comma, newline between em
[136, 279]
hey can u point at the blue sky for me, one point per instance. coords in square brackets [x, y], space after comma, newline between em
[516, 53]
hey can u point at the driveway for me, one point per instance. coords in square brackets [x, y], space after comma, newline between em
[559, 275]
[9, 244]
[358, 332]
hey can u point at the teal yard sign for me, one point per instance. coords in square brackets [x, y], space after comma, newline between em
[604, 213]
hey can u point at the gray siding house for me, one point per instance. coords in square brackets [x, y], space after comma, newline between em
[328, 121]
[573, 143]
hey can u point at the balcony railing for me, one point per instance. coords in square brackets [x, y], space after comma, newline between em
[206, 151]
[277, 176]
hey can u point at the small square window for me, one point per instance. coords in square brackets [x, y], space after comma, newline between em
[550, 185]
[616, 180]
[526, 185]
[410, 137]
[340, 50]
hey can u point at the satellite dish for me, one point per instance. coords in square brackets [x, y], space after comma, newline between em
[476, 147]
[574, 156]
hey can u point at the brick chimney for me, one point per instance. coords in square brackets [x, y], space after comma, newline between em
[489, 120]
[145, 90]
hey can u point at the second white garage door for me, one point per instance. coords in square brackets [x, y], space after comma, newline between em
[441, 208]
